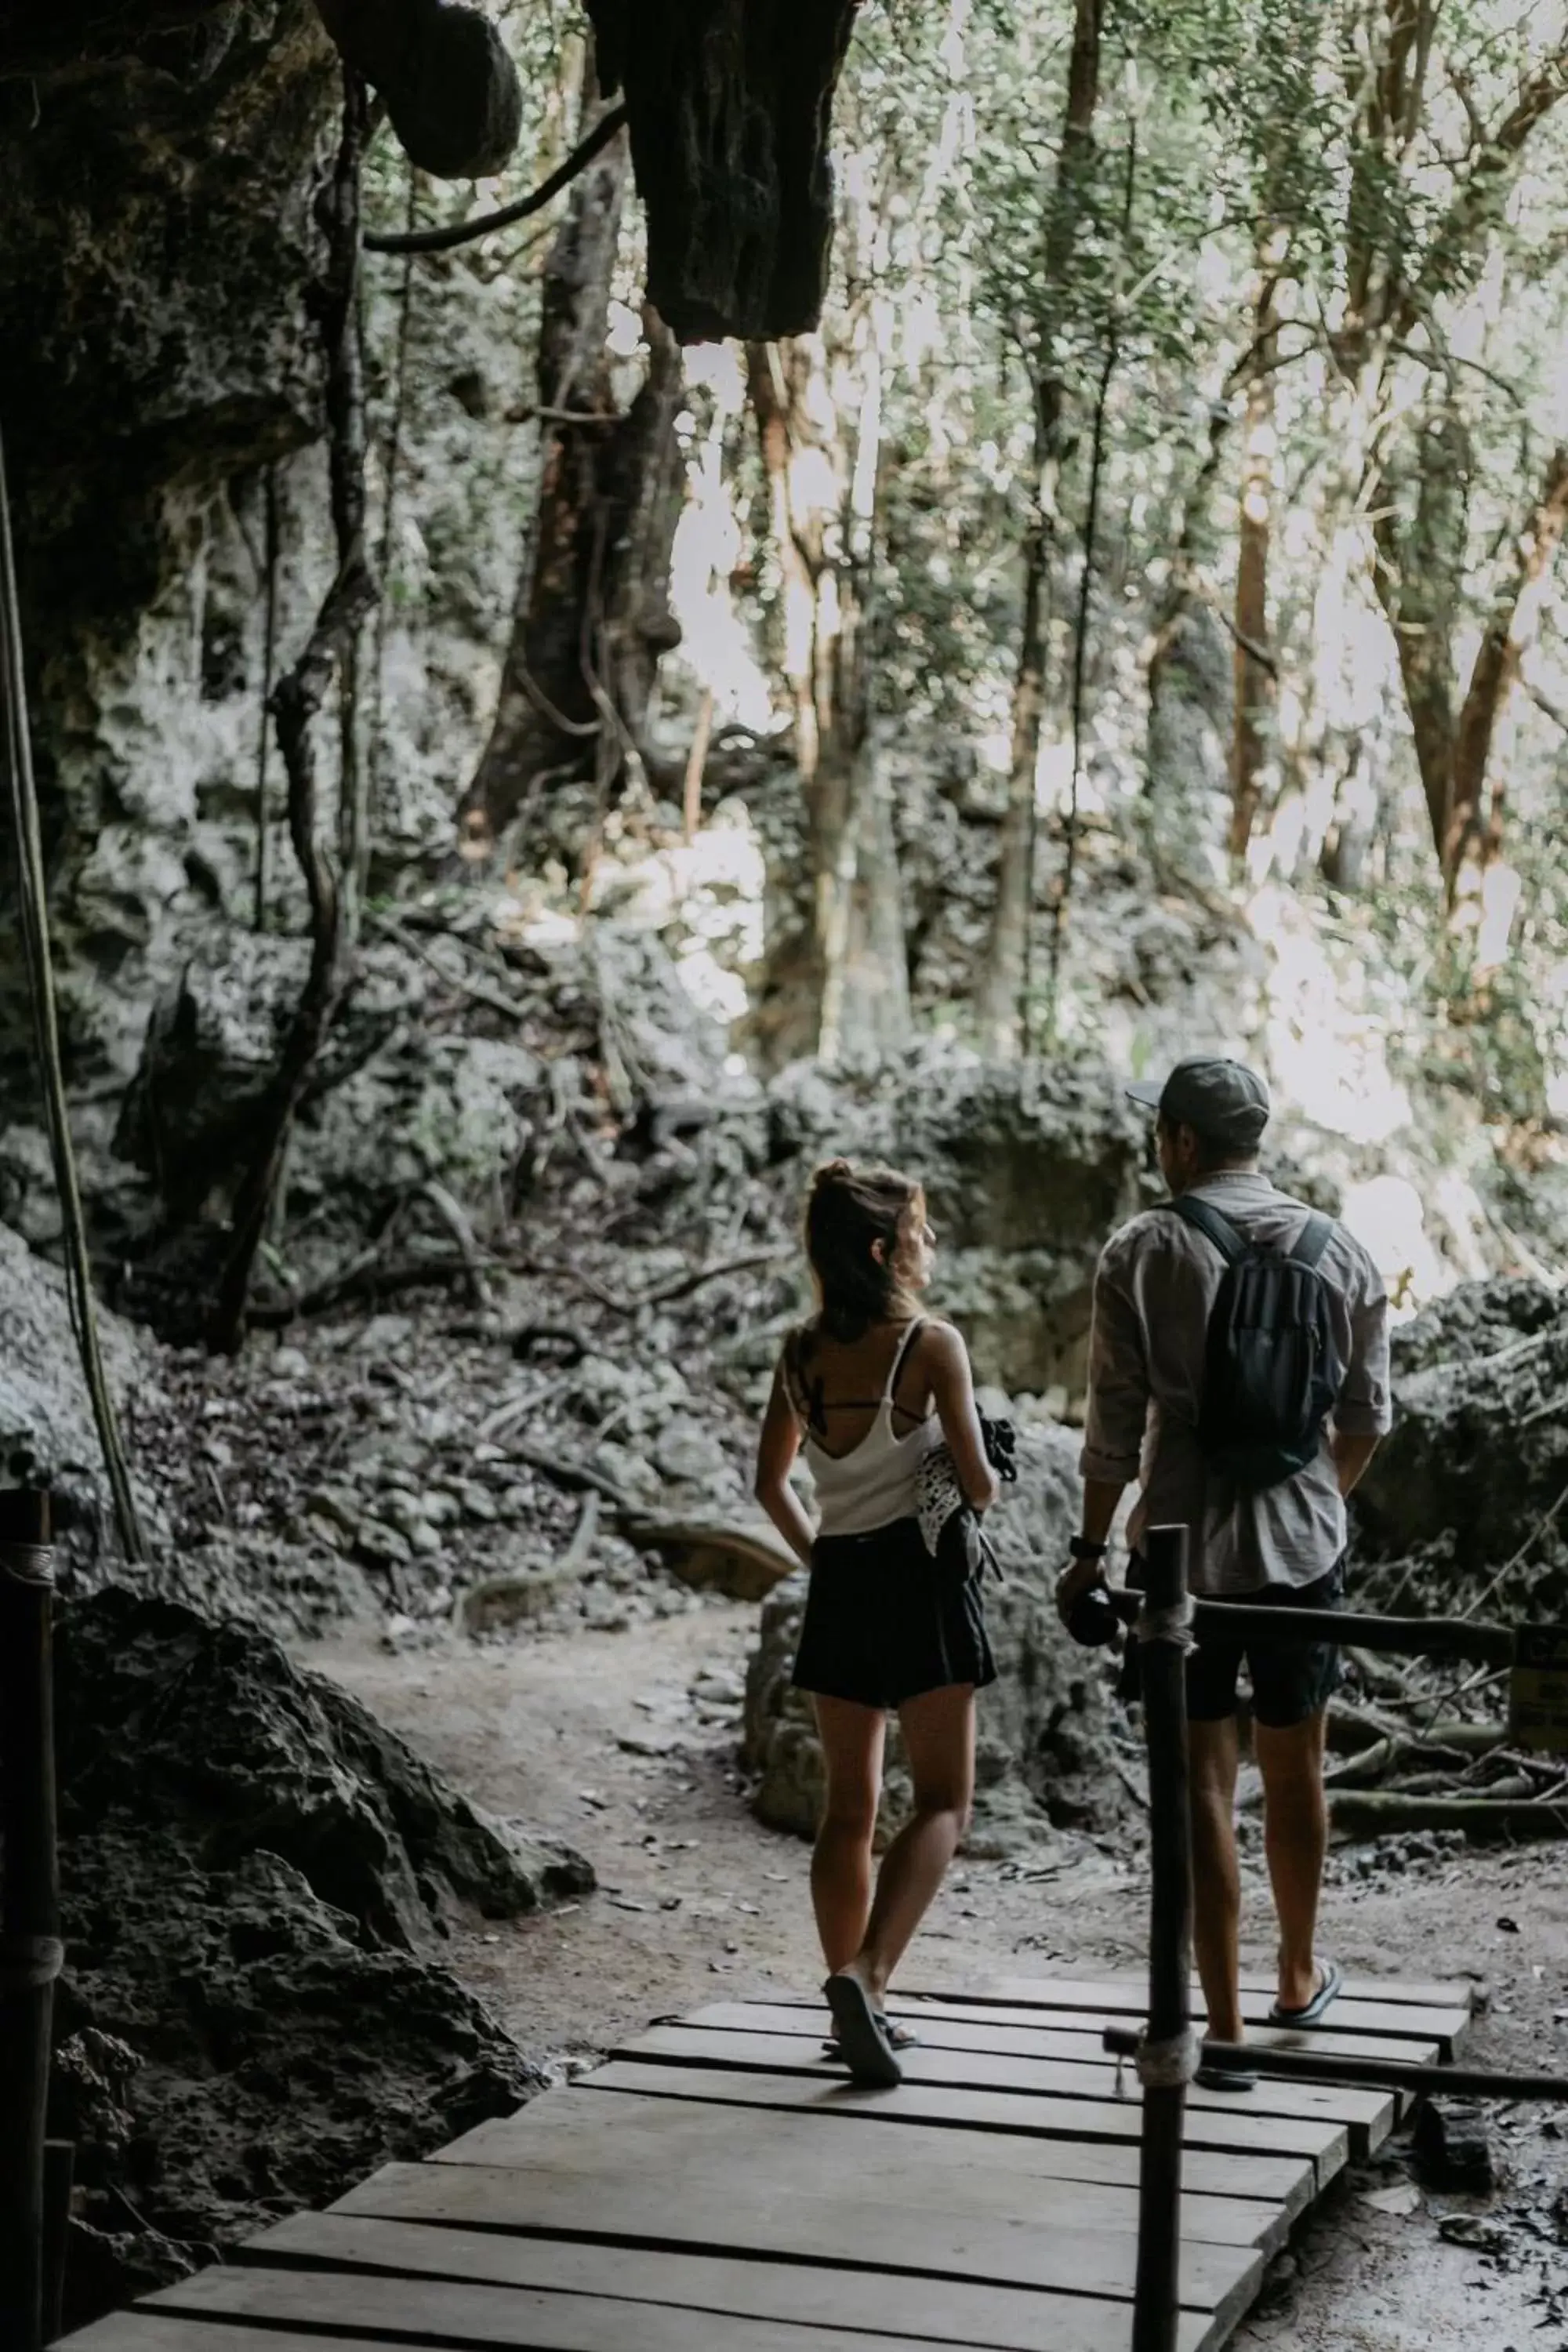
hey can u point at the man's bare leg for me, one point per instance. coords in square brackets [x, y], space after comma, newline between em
[1295, 1841]
[1217, 1876]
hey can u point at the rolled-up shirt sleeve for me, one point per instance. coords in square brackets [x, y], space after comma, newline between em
[1118, 1408]
[1364, 1406]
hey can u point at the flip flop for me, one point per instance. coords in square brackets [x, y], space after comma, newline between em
[863, 2044]
[1226, 2078]
[900, 2036]
[1328, 1990]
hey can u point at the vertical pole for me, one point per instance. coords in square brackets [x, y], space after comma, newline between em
[1157, 2292]
[60, 2177]
[29, 1907]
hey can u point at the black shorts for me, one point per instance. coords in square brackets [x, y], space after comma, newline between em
[1290, 1680]
[882, 1626]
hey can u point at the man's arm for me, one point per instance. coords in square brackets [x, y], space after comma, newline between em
[1351, 1455]
[1364, 1410]
[1114, 1423]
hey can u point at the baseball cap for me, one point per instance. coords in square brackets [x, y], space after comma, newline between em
[1224, 1100]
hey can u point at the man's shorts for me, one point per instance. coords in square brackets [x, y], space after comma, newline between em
[1290, 1680]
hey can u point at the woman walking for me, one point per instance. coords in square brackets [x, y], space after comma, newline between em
[866, 1388]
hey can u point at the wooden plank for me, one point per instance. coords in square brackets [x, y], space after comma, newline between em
[1458, 1995]
[1052, 2033]
[1368, 2115]
[426, 2311]
[571, 2131]
[753, 2217]
[145, 2330]
[1399, 1991]
[939, 2311]
[1126, 1998]
[1023, 2124]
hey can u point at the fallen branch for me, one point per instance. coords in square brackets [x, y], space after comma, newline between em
[476, 993]
[455, 1218]
[369, 1276]
[1391, 1753]
[566, 1473]
[705, 1546]
[507, 1598]
[443, 240]
[1380, 1812]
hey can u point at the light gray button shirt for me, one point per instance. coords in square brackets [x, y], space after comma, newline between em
[1156, 1282]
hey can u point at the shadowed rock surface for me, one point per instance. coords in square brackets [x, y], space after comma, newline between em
[1478, 1455]
[251, 2017]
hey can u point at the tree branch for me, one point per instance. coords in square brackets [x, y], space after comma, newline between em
[443, 240]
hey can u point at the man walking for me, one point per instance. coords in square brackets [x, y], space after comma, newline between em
[1238, 1371]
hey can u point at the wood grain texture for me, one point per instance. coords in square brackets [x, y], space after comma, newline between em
[570, 2132]
[985, 2116]
[1367, 2115]
[753, 2216]
[945, 2312]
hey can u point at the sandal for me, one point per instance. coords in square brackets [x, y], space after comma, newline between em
[1226, 2078]
[900, 2036]
[1331, 1985]
[863, 2042]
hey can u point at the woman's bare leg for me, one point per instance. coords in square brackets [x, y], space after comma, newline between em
[939, 1738]
[852, 1738]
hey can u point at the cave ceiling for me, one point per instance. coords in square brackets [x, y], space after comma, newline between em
[728, 103]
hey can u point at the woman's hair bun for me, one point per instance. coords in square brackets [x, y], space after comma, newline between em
[832, 1171]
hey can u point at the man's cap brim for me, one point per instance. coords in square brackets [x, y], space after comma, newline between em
[1146, 1091]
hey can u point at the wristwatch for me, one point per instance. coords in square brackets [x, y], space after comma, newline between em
[1081, 1549]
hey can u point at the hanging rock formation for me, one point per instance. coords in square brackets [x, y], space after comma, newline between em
[729, 102]
[449, 88]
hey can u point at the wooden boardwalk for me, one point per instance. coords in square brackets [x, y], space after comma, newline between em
[717, 2187]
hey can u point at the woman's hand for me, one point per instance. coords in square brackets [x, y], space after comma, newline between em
[776, 1449]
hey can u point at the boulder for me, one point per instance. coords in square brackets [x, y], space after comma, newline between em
[1478, 1453]
[1028, 1169]
[1043, 1759]
[255, 1878]
[47, 1437]
[244, 1747]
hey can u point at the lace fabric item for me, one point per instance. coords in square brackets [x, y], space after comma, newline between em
[950, 1528]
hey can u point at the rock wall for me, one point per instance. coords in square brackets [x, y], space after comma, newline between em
[1474, 1472]
[157, 253]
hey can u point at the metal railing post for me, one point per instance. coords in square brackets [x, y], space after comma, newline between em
[1157, 2289]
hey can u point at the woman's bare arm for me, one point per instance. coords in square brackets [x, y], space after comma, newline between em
[776, 1449]
[952, 1387]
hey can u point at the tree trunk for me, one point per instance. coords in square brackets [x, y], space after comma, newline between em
[1002, 980]
[1419, 567]
[1002, 984]
[1253, 728]
[592, 615]
[824, 504]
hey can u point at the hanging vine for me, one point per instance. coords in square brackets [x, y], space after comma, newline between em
[390, 463]
[296, 701]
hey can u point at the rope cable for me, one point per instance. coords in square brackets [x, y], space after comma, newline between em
[32, 893]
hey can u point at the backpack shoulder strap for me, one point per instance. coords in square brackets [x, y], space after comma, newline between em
[1206, 1219]
[1313, 1240]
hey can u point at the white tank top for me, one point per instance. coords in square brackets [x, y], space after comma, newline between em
[874, 1483]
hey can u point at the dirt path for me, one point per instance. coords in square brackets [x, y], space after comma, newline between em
[625, 1743]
